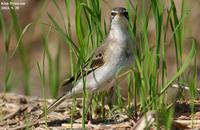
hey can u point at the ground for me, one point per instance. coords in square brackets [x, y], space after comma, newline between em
[20, 112]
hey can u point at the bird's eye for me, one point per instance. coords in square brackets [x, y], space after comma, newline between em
[126, 15]
[113, 14]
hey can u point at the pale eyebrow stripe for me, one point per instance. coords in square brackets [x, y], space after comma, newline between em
[123, 11]
[113, 11]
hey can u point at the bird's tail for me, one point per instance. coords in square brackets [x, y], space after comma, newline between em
[68, 88]
[55, 104]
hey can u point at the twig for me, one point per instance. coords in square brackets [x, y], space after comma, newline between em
[188, 123]
[39, 122]
[28, 125]
[180, 125]
[13, 114]
[146, 121]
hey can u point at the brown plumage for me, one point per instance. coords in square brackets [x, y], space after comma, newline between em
[97, 60]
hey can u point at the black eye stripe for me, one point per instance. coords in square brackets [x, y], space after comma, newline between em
[119, 11]
[125, 13]
[114, 13]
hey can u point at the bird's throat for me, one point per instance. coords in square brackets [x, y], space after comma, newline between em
[119, 33]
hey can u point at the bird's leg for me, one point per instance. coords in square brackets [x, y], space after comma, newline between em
[89, 111]
[110, 97]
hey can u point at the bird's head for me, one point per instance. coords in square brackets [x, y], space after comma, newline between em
[119, 18]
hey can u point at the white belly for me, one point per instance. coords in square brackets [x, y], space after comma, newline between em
[101, 79]
[96, 81]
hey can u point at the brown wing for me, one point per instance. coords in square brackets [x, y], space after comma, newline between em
[98, 58]
[96, 61]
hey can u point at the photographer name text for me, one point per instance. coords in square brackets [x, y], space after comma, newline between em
[12, 5]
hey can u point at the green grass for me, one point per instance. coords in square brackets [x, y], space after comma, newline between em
[147, 80]
[22, 52]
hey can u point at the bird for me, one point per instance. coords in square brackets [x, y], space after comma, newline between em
[114, 55]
